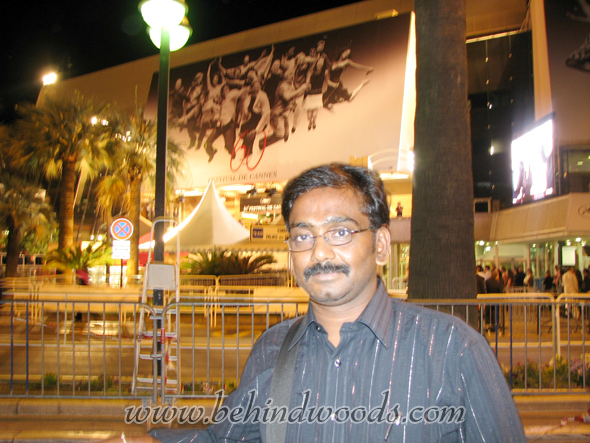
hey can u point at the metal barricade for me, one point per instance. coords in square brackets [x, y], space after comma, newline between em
[78, 343]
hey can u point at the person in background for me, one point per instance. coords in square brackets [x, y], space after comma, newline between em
[529, 279]
[586, 281]
[548, 282]
[519, 277]
[507, 277]
[557, 280]
[481, 281]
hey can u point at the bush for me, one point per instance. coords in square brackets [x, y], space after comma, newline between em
[559, 376]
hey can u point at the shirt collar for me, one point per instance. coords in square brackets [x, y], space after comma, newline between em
[377, 316]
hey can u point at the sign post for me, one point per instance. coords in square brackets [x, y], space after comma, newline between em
[121, 231]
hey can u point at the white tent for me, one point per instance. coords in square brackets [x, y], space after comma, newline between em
[209, 225]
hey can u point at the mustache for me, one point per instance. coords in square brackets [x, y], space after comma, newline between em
[325, 268]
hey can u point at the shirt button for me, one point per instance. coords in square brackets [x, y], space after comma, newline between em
[318, 328]
[337, 363]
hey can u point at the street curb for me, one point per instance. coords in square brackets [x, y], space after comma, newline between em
[569, 402]
[88, 407]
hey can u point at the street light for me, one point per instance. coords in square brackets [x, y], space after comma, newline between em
[49, 79]
[166, 19]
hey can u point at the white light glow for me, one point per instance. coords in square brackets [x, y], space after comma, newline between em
[178, 36]
[162, 13]
[393, 176]
[50, 78]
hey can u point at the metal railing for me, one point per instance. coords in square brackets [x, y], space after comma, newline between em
[81, 344]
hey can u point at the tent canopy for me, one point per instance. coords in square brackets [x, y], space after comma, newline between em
[209, 225]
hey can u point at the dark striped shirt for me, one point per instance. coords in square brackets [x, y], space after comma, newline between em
[418, 365]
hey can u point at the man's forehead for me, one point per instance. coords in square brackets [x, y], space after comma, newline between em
[322, 206]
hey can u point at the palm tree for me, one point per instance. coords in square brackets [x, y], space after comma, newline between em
[23, 210]
[79, 259]
[442, 214]
[134, 163]
[224, 262]
[65, 135]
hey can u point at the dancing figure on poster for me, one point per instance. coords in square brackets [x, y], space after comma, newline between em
[336, 92]
[226, 124]
[318, 80]
[192, 110]
[255, 115]
[287, 93]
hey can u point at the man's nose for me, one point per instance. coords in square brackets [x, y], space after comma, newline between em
[321, 249]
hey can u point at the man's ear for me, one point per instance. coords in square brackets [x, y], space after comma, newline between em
[382, 245]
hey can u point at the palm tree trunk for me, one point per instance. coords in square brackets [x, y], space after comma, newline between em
[134, 212]
[442, 259]
[66, 205]
[12, 248]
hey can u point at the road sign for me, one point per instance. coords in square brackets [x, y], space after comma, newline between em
[121, 249]
[122, 229]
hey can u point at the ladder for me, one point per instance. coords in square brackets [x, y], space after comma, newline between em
[164, 322]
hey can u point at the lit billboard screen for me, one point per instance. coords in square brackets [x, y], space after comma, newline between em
[532, 163]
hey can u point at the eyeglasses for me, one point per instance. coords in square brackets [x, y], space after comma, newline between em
[333, 237]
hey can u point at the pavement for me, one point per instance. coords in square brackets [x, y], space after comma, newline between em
[91, 420]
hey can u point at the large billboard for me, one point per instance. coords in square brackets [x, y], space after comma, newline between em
[266, 114]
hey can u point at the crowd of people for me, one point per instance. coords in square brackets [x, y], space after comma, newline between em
[568, 280]
[267, 95]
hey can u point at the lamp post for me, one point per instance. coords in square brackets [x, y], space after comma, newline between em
[169, 31]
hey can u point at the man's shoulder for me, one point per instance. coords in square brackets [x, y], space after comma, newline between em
[439, 325]
[271, 339]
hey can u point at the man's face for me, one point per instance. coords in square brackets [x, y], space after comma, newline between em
[255, 87]
[337, 275]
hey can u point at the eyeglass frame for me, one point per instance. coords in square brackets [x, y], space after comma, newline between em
[313, 237]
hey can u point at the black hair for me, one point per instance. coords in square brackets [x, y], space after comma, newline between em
[365, 183]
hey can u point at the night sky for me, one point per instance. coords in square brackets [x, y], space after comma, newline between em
[78, 37]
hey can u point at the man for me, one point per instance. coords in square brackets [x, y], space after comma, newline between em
[227, 121]
[570, 281]
[586, 281]
[494, 285]
[570, 286]
[519, 277]
[359, 351]
[255, 114]
[480, 280]
[285, 98]
[272, 81]
[192, 109]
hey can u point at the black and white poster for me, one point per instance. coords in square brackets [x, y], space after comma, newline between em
[267, 114]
